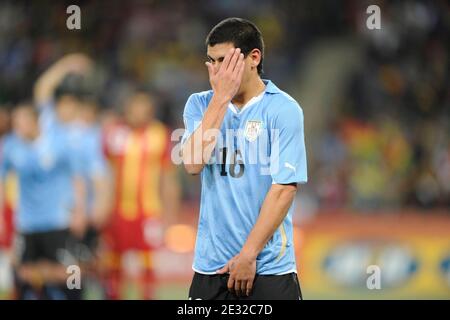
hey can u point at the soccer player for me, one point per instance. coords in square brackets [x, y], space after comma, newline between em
[86, 140]
[65, 103]
[146, 194]
[244, 246]
[48, 204]
[58, 91]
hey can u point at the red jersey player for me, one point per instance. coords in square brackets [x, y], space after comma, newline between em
[146, 194]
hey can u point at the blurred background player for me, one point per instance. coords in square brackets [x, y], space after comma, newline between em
[58, 91]
[67, 102]
[46, 168]
[146, 194]
[96, 171]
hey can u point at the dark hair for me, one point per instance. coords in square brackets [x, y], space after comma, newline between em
[72, 85]
[242, 33]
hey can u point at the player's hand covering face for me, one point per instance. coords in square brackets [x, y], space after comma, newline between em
[225, 72]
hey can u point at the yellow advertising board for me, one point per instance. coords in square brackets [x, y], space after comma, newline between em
[346, 256]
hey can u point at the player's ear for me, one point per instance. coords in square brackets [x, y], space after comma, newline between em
[255, 57]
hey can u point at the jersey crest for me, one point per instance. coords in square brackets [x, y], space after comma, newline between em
[252, 130]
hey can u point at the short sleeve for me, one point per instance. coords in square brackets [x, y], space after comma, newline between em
[288, 153]
[74, 153]
[192, 116]
[47, 114]
[96, 162]
[76, 165]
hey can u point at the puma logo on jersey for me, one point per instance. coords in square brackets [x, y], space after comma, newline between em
[290, 166]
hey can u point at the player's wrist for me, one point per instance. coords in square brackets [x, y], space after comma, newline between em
[249, 252]
[221, 99]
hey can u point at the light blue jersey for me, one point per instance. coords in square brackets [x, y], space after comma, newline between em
[48, 119]
[263, 144]
[45, 169]
[86, 142]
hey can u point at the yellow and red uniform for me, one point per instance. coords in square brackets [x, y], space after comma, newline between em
[8, 209]
[138, 159]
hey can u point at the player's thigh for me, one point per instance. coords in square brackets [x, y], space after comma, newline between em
[27, 253]
[26, 249]
[209, 287]
[276, 287]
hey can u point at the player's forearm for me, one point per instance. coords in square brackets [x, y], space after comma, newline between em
[198, 149]
[79, 219]
[49, 80]
[273, 211]
[79, 196]
[102, 203]
[47, 83]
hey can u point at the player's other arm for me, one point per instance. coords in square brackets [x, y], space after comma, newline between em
[79, 220]
[100, 174]
[288, 168]
[273, 211]
[225, 81]
[102, 200]
[242, 267]
[46, 84]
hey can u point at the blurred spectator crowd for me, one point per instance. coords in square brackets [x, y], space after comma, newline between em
[389, 147]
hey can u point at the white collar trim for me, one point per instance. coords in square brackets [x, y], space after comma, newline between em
[250, 103]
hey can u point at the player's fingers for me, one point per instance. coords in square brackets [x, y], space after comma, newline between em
[249, 287]
[234, 59]
[230, 284]
[226, 59]
[244, 288]
[240, 63]
[223, 270]
[237, 287]
[210, 69]
[241, 70]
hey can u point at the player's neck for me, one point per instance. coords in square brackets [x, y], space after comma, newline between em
[251, 89]
[33, 134]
